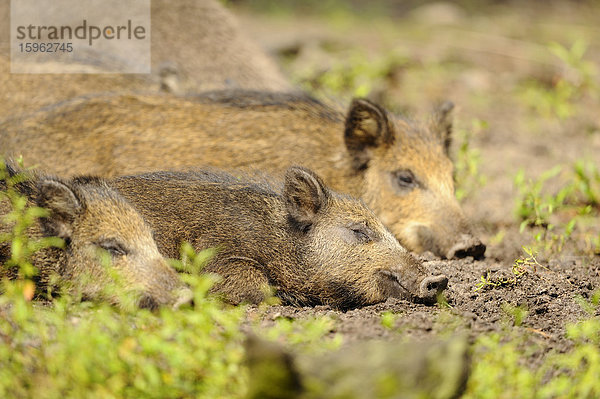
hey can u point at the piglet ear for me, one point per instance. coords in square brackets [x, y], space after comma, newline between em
[367, 126]
[443, 123]
[64, 206]
[305, 195]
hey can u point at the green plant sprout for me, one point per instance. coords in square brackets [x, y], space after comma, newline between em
[522, 266]
[576, 80]
[388, 319]
[555, 217]
[355, 75]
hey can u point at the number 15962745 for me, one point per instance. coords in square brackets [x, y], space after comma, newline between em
[46, 47]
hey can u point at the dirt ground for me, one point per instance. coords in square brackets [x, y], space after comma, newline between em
[480, 60]
[549, 295]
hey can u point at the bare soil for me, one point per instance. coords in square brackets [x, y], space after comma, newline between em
[549, 295]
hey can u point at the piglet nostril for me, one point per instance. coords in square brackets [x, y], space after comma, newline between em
[467, 245]
[432, 286]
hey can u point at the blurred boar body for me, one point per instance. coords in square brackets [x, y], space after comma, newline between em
[99, 228]
[309, 244]
[205, 44]
[436, 369]
[196, 45]
[400, 168]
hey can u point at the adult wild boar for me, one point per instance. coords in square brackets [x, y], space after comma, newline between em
[92, 218]
[399, 167]
[310, 245]
[196, 45]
